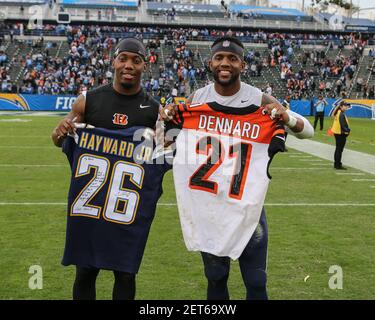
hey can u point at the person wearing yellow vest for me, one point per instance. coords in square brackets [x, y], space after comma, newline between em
[341, 130]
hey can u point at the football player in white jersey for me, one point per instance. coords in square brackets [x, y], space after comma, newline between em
[226, 64]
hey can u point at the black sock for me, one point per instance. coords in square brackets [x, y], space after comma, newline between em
[124, 287]
[84, 284]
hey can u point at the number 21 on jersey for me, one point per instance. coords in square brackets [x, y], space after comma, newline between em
[200, 179]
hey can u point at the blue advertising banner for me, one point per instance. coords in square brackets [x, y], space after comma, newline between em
[30, 102]
[266, 11]
[190, 7]
[358, 108]
[111, 3]
[302, 107]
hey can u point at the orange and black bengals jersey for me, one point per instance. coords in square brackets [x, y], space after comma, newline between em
[220, 173]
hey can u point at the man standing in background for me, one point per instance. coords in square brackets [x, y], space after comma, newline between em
[319, 111]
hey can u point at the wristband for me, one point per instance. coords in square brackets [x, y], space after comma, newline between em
[292, 121]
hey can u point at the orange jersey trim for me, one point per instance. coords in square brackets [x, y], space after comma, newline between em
[255, 126]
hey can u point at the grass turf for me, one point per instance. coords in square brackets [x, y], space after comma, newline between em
[361, 137]
[303, 240]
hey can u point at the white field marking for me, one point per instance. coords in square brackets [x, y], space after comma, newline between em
[65, 165]
[294, 153]
[28, 147]
[56, 204]
[32, 113]
[358, 180]
[281, 168]
[311, 160]
[322, 164]
[23, 137]
[15, 120]
[175, 204]
[358, 160]
[321, 204]
[350, 173]
[33, 165]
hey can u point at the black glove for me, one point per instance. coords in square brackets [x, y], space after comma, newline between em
[277, 144]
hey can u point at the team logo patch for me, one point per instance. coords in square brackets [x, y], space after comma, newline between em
[14, 101]
[120, 119]
[226, 44]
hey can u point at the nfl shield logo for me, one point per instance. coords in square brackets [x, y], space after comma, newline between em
[226, 44]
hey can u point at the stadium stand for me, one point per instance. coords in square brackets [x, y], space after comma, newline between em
[196, 10]
[22, 2]
[352, 24]
[66, 59]
[264, 13]
[129, 5]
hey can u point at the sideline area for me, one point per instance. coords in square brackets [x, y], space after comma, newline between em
[358, 160]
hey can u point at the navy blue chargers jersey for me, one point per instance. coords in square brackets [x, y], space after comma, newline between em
[115, 185]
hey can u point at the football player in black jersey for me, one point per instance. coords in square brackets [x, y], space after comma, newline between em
[119, 105]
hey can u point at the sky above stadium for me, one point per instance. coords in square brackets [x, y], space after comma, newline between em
[360, 3]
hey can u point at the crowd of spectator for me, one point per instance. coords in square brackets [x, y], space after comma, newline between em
[6, 84]
[85, 65]
[203, 33]
[303, 73]
[307, 72]
[179, 73]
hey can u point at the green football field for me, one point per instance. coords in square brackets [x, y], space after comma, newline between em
[317, 218]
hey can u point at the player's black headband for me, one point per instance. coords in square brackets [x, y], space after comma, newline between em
[131, 45]
[228, 46]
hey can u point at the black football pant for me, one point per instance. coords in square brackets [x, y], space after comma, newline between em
[340, 144]
[253, 264]
[319, 116]
[84, 284]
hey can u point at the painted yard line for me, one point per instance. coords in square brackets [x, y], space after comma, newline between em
[350, 173]
[28, 147]
[322, 204]
[56, 204]
[175, 204]
[34, 165]
[311, 160]
[15, 120]
[283, 168]
[23, 137]
[322, 164]
[358, 180]
[358, 160]
[65, 165]
[33, 113]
